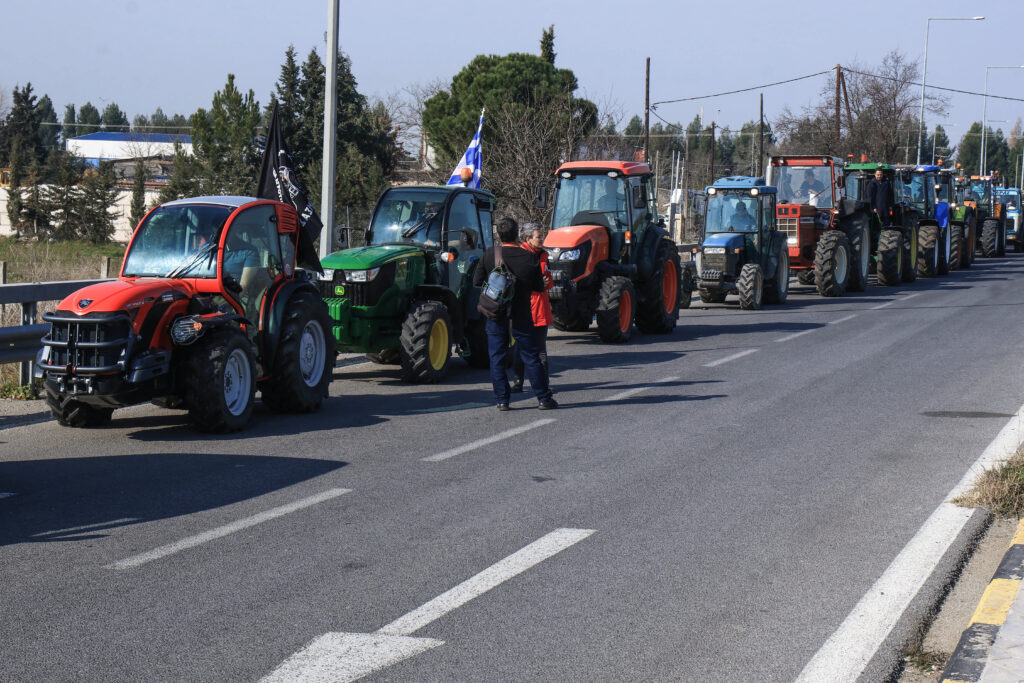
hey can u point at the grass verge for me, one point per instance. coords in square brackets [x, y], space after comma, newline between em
[1000, 490]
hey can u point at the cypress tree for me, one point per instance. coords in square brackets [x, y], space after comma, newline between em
[138, 210]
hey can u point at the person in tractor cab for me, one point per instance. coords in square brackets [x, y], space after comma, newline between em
[525, 268]
[880, 195]
[741, 219]
[811, 187]
[426, 212]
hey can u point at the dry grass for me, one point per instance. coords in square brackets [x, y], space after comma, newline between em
[1000, 490]
[926, 660]
[46, 262]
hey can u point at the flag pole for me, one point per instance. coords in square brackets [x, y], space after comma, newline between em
[330, 131]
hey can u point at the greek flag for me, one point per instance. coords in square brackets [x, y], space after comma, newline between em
[473, 159]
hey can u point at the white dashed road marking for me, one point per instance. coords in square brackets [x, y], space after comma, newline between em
[890, 303]
[734, 356]
[797, 334]
[487, 441]
[636, 390]
[843, 319]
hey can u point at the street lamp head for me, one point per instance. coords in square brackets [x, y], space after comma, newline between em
[977, 18]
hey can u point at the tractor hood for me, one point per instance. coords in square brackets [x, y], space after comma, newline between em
[122, 295]
[364, 258]
[729, 240]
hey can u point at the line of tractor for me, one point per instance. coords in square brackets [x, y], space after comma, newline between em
[220, 297]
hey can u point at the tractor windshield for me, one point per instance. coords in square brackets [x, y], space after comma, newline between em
[978, 191]
[942, 192]
[593, 199]
[804, 185]
[731, 212]
[409, 216]
[1011, 200]
[178, 240]
[920, 191]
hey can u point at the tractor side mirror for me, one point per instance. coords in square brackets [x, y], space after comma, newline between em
[839, 181]
[540, 200]
[639, 196]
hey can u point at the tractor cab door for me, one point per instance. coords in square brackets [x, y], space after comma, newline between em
[251, 260]
[466, 237]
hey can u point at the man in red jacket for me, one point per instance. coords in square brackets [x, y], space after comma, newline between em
[540, 306]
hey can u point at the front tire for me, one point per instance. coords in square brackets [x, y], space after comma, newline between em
[658, 312]
[890, 258]
[956, 246]
[70, 413]
[778, 289]
[426, 343]
[911, 254]
[860, 247]
[220, 386]
[990, 238]
[712, 296]
[805, 277]
[832, 264]
[304, 360]
[751, 287]
[928, 261]
[615, 310]
[945, 250]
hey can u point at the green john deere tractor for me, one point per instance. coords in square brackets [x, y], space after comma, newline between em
[963, 227]
[407, 297]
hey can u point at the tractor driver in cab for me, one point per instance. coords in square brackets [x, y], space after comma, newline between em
[741, 219]
[425, 218]
[811, 188]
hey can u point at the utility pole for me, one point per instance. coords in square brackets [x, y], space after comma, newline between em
[647, 111]
[839, 76]
[712, 180]
[330, 131]
[760, 146]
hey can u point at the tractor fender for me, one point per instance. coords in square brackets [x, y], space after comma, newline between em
[272, 313]
[446, 297]
[776, 243]
[647, 248]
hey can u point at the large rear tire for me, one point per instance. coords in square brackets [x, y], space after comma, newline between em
[990, 238]
[956, 246]
[911, 253]
[777, 290]
[304, 362]
[945, 249]
[970, 243]
[928, 259]
[687, 285]
[426, 343]
[805, 277]
[860, 247]
[220, 381]
[1001, 250]
[615, 310]
[750, 284]
[890, 258]
[832, 264]
[658, 312]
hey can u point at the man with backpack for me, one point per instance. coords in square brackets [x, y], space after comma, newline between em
[504, 265]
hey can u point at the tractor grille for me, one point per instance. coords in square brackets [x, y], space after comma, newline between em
[360, 293]
[90, 344]
[790, 226]
[719, 262]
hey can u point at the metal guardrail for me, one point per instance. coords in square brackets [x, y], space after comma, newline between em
[19, 344]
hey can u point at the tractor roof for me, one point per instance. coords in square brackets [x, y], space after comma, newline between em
[629, 168]
[443, 188]
[234, 202]
[742, 182]
[869, 166]
[806, 160]
[925, 169]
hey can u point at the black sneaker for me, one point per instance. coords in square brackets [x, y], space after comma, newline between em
[502, 407]
[517, 386]
[547, 404]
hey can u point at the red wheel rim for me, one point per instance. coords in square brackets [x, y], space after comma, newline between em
[625, 312]
[670, 286]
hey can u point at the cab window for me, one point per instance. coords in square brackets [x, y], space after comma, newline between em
[463, 219]
[251, 257]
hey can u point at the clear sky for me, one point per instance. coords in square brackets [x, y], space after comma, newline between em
[143, 54]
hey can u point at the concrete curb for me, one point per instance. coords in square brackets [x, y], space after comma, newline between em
[977, 657]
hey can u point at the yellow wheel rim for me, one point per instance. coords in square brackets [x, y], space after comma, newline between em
[438, 348]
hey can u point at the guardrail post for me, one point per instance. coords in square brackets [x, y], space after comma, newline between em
[28, 317]
[104, 267]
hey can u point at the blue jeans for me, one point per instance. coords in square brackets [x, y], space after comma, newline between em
[497, 348]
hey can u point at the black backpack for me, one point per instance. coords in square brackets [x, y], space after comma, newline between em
[498, 290]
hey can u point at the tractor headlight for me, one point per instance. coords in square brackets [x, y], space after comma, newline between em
[327, 275]
[714, 250]
[362, 275]
[570, 254]
[791, 241]
[186, 330]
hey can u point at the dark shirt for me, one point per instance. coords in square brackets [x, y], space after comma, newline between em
[525, 266]
[879, 192]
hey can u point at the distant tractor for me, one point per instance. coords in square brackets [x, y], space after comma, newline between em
[933, 233]
[958, 217]
[828, 237]
[609, 254]
[894, 237]
[742, 250]
[992, 231]
[1009, 200]
[407, 296]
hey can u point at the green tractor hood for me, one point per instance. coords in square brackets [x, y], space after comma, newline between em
[364, 258]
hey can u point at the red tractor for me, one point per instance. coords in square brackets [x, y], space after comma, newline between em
[829, 236]
[609, 254]
[208, 307]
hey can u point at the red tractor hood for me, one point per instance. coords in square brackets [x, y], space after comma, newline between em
[122, 295]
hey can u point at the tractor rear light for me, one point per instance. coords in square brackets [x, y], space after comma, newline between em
[184, 331]
[447, 257]
[629, 237]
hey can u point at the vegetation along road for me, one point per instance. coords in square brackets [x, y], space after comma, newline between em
[707, 505]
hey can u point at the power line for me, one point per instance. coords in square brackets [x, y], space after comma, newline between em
[733, 92]
[934, 87]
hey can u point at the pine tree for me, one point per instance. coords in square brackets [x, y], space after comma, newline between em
[88, 119]
[69, 129]
[99, 195]
[35, 216]
[138, 209]
[224, 140]
[114, 120]
[15, 191]
[547, 45]
[49, 131]
[288, 95]
[187, 178]
[62, 198]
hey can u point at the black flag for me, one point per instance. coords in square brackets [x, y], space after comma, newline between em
[279, 181]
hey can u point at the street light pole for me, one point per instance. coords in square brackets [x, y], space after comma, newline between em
[330, 132]
[983, 152]
[924, 74]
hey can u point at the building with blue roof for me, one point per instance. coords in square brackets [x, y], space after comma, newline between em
[108, 146]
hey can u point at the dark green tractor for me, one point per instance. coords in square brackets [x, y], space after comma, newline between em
[963, 227]
[978, 193]
[407, 296]
[895, 237]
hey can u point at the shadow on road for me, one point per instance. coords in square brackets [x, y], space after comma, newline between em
[77, 499]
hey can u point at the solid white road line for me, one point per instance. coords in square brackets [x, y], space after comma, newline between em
[848, 651]
[734, 356]
[843, 319]
[890, 303]
[487, 441]
[636, 390]
[87, 527]
[797, 334]
[350, 656]
[221, 531]
[5, 495]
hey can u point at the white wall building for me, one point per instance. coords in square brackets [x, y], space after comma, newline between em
[96, 147]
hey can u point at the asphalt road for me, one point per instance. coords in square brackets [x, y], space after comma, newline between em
[732, 490]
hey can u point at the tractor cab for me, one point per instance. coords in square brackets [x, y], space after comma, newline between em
[742, 251]
[810, 190]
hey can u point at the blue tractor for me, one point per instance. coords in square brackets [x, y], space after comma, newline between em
[742, 252]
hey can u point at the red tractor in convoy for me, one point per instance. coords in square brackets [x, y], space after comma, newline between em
[208, 307]
[829, 236]
[609, 254]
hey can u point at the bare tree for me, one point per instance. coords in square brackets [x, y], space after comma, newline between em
[406, 110]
